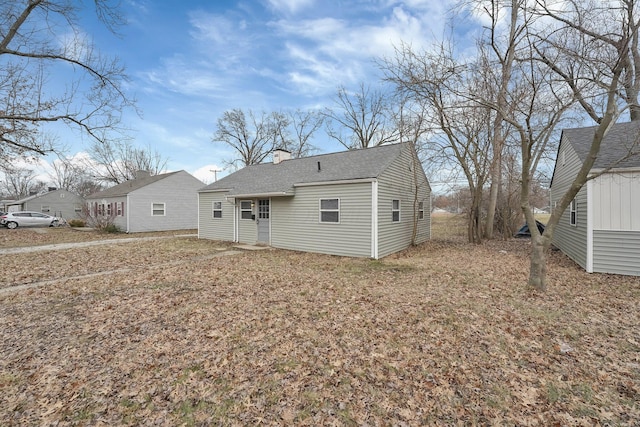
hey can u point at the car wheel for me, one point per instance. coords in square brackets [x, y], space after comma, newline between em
[12, 225]
[54, 223]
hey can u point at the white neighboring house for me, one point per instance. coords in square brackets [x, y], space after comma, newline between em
[600, 230]
[162, 202]
[360, 203]
[55, 202]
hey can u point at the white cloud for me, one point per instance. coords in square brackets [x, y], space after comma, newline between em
[290, 6]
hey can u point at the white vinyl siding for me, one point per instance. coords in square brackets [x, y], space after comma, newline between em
[295, 224]
[616, 201]
[177, 191]
[60, 203]
[398, 183]
[616, 252]
[215, 228]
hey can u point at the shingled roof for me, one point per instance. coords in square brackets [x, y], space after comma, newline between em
[274, 179]
[128, 186]
[620, 147]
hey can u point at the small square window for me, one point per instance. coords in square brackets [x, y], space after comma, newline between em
[158, 209]
[330, 210]
[395, 210]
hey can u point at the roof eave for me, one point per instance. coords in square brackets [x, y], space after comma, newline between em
[343, 181]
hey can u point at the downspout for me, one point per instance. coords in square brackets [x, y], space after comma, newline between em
[589, 263]
[128, 210]
[374, 219]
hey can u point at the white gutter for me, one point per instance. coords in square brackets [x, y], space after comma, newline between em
[128, 210]
[374, 219]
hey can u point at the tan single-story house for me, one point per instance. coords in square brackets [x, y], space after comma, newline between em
[360, 203]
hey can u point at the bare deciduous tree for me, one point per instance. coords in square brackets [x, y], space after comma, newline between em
[586, 47]
[117, 162]
[19, 182]
[252, 137]
[461, 127]
[35, 36]
[361, 119]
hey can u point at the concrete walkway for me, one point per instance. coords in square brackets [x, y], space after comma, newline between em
[58, 246]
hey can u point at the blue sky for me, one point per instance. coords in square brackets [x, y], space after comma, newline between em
[189, 61]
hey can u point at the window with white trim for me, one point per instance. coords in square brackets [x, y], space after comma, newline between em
[420, 210]
[573, 213]
[216, 210]
[330, 210]
[395, 210]
[157, 209]
[46, 208]
[109, 209]
[246, 211]
[119, 206]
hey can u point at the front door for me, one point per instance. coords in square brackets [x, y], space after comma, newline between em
[263, 221]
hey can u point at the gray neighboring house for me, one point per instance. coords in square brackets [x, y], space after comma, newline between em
[358, 203]
[162, 202]
[600, 230]
[55, 202]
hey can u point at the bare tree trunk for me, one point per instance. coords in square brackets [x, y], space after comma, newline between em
[538, 267]
[496, 182]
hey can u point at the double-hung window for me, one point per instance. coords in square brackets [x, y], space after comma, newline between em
[395, 210]
[246, 211]
[420, 210]
[216, 210]
[330, 210]
[157, 209]
[573, 213]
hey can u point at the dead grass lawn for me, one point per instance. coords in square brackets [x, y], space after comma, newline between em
[441, 334]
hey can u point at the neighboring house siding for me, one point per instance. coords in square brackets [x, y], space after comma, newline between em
[215, 228]
[398, 182]
[616, 201]
[616, 252]
[60, 203]
[295, 221]
[572, 240]
[178, 192]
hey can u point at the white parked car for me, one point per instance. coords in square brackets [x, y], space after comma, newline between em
[28, 219]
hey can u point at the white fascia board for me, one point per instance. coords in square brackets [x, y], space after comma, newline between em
[220, 190]
[344, 181]
[259, 195]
